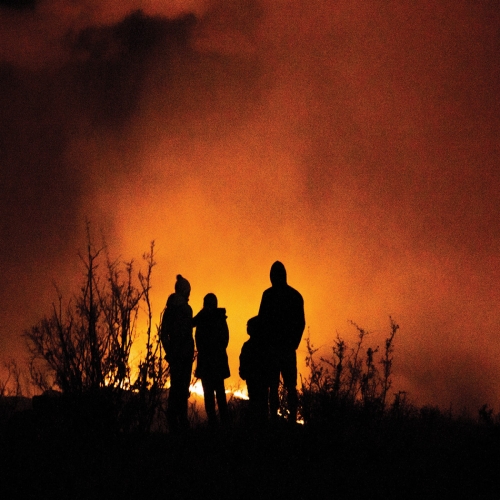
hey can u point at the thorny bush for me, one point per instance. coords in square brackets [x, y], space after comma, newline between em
[84, 348]
[351, 378]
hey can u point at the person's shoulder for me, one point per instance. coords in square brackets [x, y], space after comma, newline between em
[268, 292]
[295, 292]
[221, 313]
[177, 300]
[172, 300]
[198, 317]
[186, 309]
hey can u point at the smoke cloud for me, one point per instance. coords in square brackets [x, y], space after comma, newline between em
[355, 142]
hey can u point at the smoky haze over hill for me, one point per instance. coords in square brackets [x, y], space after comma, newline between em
[355, 142]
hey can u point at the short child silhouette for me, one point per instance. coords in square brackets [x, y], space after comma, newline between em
[255, 369]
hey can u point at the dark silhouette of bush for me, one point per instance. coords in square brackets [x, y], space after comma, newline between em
[351, 379]
[81, 440]
[84, 349]
[348, 447]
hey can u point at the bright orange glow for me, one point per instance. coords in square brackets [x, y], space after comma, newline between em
[357, 142]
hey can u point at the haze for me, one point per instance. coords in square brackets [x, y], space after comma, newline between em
[357, 142]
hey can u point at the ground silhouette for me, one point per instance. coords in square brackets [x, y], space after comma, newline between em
[426, 454]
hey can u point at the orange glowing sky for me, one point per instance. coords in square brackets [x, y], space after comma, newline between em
[357, 142]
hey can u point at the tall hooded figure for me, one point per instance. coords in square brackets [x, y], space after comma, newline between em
[282, 318]
[178, 342]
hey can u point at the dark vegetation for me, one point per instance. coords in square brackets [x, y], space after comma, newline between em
[99, 428]
[84, 349]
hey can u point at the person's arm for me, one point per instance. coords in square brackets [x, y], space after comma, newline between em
[300, 320]
[225, 333]
[196, 320]
[264, 306]
[265, 313]
[243, 368]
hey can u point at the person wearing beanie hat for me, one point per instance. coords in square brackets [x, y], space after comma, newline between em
[176, 335]
[282, 319]
[182, 286]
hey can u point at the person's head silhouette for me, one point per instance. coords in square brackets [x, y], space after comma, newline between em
[253, 326]
[278, 274]
[210, 301]
[182, 286]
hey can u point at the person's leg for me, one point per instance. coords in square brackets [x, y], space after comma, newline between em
[262, 401]
[184, 382]
[274, 400]
[289, 373]
[257, 392]
[209, 398]
[254, 402]
[251, 400]
[273, 382]
[220, 392]
[173, 397]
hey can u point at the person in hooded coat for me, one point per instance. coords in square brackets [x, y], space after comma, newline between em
[177, 340]
[212, 338]
[282, 318]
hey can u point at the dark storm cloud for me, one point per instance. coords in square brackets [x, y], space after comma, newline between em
[18, 4]
[357, 141]
[37, 187]
[44, 110]
[75, 118]
[112, 61]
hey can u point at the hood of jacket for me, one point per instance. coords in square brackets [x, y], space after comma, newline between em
[278, 274]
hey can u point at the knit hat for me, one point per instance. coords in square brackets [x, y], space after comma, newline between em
[182, 286]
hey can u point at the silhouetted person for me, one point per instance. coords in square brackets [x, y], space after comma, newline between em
[282, 318]
[212, 337]
[255, 369]
[177, 339]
